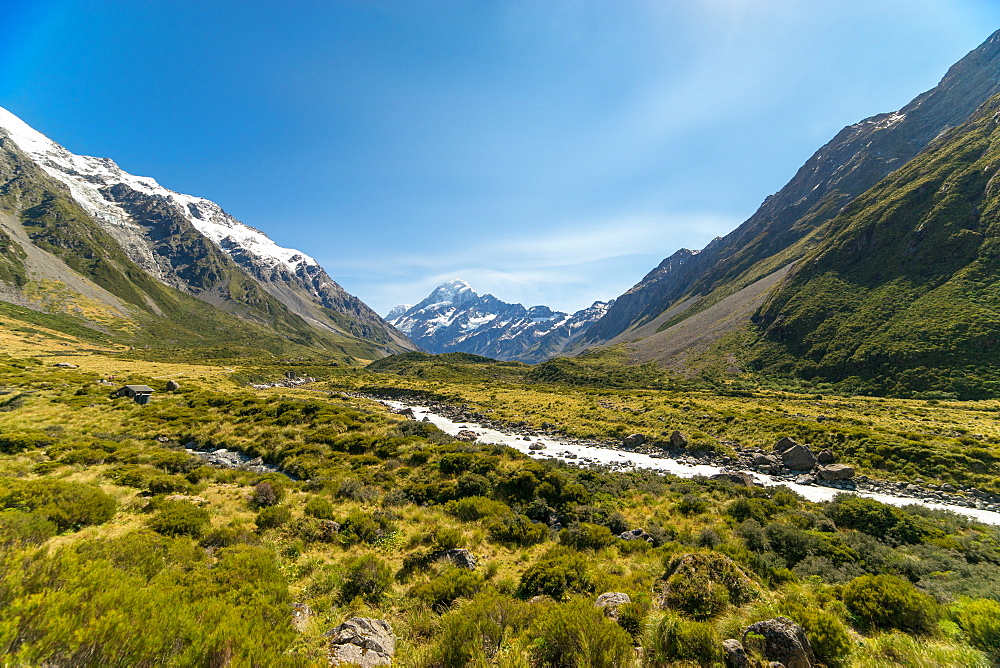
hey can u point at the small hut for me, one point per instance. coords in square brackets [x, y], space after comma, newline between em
[140, 394]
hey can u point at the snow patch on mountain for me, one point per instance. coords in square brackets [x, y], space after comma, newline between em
[85, 176]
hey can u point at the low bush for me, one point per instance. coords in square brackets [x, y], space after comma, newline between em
[366, 576]
[272, 517]
[21, 529]
[703, 584]
[884, 602]
[672, 639]
[979, 620]
[179, 518]
[517, 530]
[578, 634]
[474, 508]
[558, 575]
[69, 505]
[320, 508]
[474, 634]
[586, 536]
[448, 586]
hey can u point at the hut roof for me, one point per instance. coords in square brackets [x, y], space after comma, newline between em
[140, 389]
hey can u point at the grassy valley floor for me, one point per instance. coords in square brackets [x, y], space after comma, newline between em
[121, 546]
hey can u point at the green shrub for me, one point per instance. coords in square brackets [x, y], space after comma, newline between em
[69, 505]
[472, 484]
[586, 536]
[578, 634]
[266, 494]
[447, 538]
[362, 527]
[887, 602]
[703, 584]
[473, 634]
[979, 619]
[366, 576]
[516, 530]
[320, 508]
[13, 443]
[451, 584]
[272, 517]
[558, 575]
[22, 529]
[692, 505]
[831, 643]
[179, 518]
[456, 462]
[674, 639]
[876, 519]
[474, 508]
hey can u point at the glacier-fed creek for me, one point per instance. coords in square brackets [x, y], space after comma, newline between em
[594, 455]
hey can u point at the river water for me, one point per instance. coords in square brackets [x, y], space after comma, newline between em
[584, 455]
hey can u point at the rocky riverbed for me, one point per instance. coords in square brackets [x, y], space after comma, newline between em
[815, 476]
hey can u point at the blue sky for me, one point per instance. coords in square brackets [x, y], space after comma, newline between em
[547, 151]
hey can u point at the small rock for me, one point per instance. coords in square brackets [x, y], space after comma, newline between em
[461, 558]
[466, 435]
[611, 601]
[328, 530]
[735, 655]
[636, 534]
[362, 641]
[805, 480]
[536, 446]
[735, 477]
[65, 365]
[173, 386]
[836, 472]
[784, 641]
[825, 457]
[633, 441]
[678, 440]
[301, 613]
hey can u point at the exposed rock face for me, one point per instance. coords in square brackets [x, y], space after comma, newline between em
[678, 439]
[611, 601]
[784, 444]
[459, 557]
[735, 655]
[301, 613]
[454, 318]
[633, 441]
[825, 457]
[784, 641]
[363, 641]
[466, 435]
[836, 472]
[798, 458]
[328, 530]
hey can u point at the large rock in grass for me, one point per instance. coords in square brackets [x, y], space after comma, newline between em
[735, 477]
[784, 444]
[611, 601]
[633, 441]
[457, 556]
[784, 642]
[836, 472]
[735, 655]
[362, 641]
[467, 436]
[798, 458]
[678, 440]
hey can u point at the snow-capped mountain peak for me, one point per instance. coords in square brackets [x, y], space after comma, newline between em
[454, 318]
[88, 176]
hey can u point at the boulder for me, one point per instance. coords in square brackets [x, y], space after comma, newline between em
[784, 444]
[536, 446]
[173, 386]
[784, 641]
[328, 530]
[735, 655]
[633, 441]
[766, 463]
[798, 458]
[466, 435]
[806, 480]
[825, 457]
[735, 477]
[836, 472]
[678, 440]
[459, 557]
[65, 365]
[636, 534]
[611, 601]
[362, 641]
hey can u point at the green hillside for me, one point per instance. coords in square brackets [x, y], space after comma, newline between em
[903, 294]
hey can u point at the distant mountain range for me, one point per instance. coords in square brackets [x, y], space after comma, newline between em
[454, 318]
[84, 239]
[871, 268]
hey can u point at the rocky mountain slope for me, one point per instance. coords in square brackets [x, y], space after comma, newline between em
[792, 221]
[454, 318]
[70, 220]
